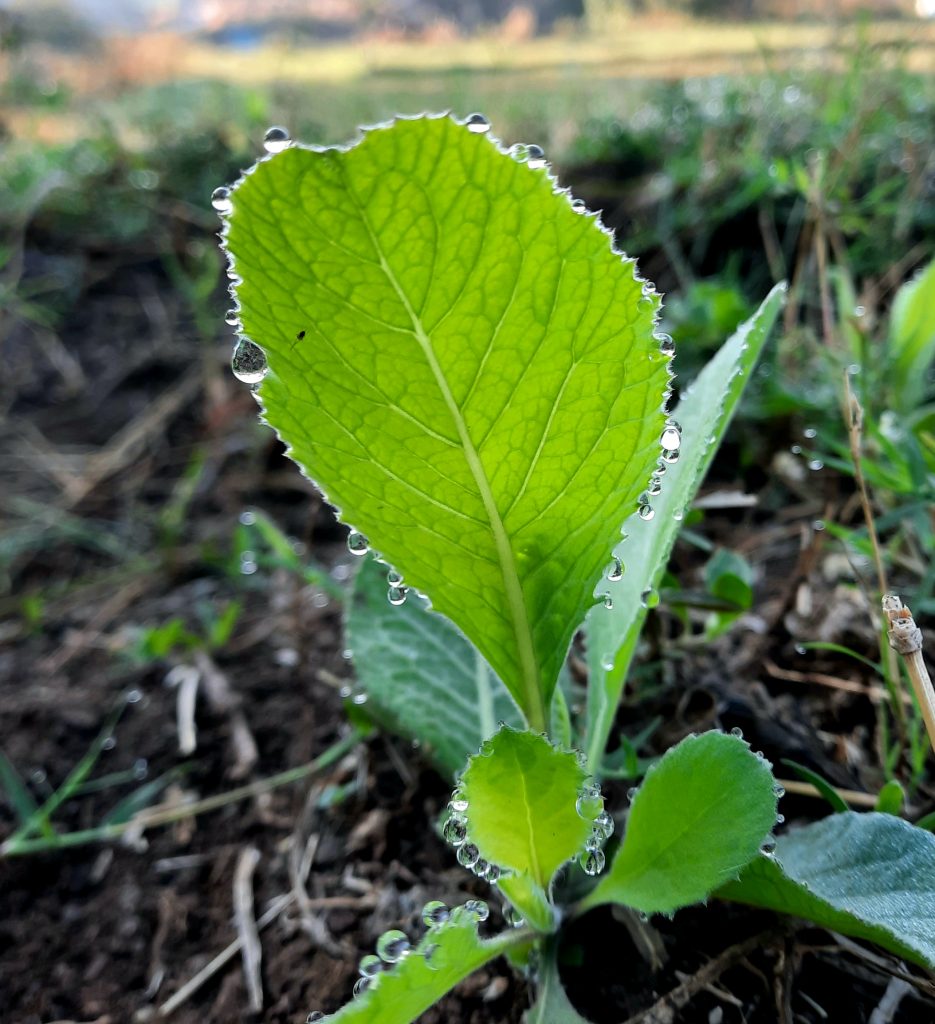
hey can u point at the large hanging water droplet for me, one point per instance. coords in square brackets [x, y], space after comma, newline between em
[671, 439]
[646, 511]
[477, 123]
[392, 946]
[592, 863]
[276, 139]
[454, 831]
[649, 598]
[604, 824]
[589, 804]
[478, 909]
[221, 201]
[370, 965]
[249, 362]
[535, 157]
[468, 855]
[397, 595]
[357, 544]
[434, 913]
[616, 571]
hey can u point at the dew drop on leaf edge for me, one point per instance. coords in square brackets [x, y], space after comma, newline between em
[649, 598]
[478, 909]
[249, 362]
[393, 945]
[616, 571]
[434, 913]
[477, 123]
[370, 965]
[220, 199]
[276, 139]
[592, 863]
[357, 544]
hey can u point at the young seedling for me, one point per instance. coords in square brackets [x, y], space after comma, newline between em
[456, 354]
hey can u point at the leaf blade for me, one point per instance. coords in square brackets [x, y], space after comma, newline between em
[725, 794]
[704, 414]
[868, 875]
[524, 341]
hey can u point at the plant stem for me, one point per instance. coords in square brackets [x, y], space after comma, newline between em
[906, 639]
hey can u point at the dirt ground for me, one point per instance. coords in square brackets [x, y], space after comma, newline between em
[97, 440]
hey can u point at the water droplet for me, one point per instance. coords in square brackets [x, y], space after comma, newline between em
[737, 732]
[678, 515]
[493, 873]
[818, 525]
[631, 793]
[796, 449]
[247, 517]
[815, 464]
[607, 662]
[392, 946]
[661, 467]
[768, 847]
[860, 310]
[276, 139]
[359, 698]
[579, 206]
[221, 201]
[655, 486]
[810, 432]
[779, 791]
[134, 696]
[592, 862]
[457, 802]
[140, 769]
[666, 345]
[616, 570]
[249, 362]
[397, 595]
[800, 649]
[248, 565]
[394, 578]
[650, 598]
[477, 123]
[671, 438]
[519, 151]
[853, 369]
[780, 819]
[646, 512]
[593, 842]
[314, 1017]
[608, 602]
[478, 909]
[370, 965]
[535, 156]
[109, 743]
[480, 868]
[589, 804]
[232, 317]
[468, 855]
[760, 756]
[434, 913]
[644, 917]
[361, 986]
[604, 823]
[454, 831]
[671, 457]
[433, 957]
[357, 544]
[513, 917]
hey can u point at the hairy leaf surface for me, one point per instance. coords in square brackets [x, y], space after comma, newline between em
[867, 875]
[422, 678]
[699, 817]
[704, 414]
[463, 365]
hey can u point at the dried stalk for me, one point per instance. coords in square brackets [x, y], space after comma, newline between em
[906, 640]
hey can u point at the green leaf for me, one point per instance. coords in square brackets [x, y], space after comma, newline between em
[552, 1005]
[423, 679]
[464, 365]
[447, 954]
[871, 876]
[912, 339]
[20, 799]
[700, 816]
[521, 794]
[838, 803]
[704, 413]
[891, 798]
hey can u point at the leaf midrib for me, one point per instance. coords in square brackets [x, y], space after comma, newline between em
[533, 704]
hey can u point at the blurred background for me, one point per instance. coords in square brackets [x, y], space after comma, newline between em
[163, 564]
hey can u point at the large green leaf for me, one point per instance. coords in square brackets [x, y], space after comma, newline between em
[912, 339]
[867, 875]
[704, 414]
[422, 678]
[525, 811]
[700, 816]
[447, 953]
[465, 366]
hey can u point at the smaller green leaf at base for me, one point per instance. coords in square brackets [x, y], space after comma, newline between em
[700, 816]
[871, 876]
[448, 953]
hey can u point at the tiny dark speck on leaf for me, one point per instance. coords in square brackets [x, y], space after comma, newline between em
[300, 336]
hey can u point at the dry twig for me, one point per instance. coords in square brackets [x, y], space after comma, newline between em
[247, 929]
[906, 640]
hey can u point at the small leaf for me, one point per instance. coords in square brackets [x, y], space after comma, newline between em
[891, 797]
[838, 803]
[871, 876]
[422, 678]
[20, 799]
[466, 367]
[704, 414]
[521, 794]
[446, 954]
[699, 817]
